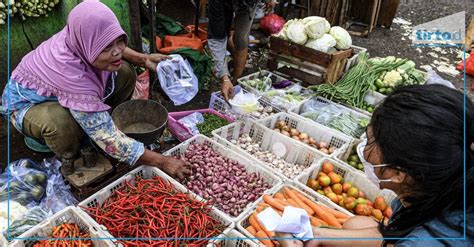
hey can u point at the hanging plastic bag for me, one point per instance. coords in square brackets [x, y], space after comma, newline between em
[434, 78]
[58, 194]
[27, 184]
[191, 121]
[142, 86]
[177, 79]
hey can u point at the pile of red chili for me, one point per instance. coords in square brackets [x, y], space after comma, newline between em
[153, 208]
[66, 234]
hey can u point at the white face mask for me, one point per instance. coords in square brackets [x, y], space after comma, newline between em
[368, 167]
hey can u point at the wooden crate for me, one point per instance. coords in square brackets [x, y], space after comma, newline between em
[310, 66]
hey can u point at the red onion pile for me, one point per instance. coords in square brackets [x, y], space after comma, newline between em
[222, 181]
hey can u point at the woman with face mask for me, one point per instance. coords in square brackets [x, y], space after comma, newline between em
[415, 147]
[62, 91]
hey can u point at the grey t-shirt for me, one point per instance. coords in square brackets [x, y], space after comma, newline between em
[439, 229]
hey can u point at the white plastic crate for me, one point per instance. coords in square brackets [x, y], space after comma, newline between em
[296, 153]
[218, 103]
[249, 164]
[356, 114]
[317, 131]
[233, 238]
[352, 61]
[315, 197]
[349, 174]
[70, 215]
[145, 172]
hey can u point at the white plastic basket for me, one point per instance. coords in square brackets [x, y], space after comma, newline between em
[352, 175]
[352, 61]
[233, 238]
[296, 153]
[249, 164]
[356, 114]
[315, 197]
[70, 215]
[145, 172]
[218, 103]
[344, 158]
[317, 131]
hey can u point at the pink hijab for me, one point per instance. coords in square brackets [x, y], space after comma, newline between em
[62, 65]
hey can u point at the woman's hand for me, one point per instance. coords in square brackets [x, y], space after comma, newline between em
[175, 167]
[153, 59]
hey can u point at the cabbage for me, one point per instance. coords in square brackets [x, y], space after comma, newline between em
[342, 37]
[281, 34]
[323, 44]
[272, 24]
[327, 25]
[315, 27]
[295, 32]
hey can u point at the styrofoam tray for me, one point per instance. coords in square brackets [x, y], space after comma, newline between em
[315, 197]
[249, 164]
[352, 175]
[70, 215]
[315, 130]
[296, 153]
[145, 172]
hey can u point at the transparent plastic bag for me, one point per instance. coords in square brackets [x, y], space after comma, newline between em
[434, 78]
[58, 194]
[27, 183]
[30, 218]
[191, 121]
[177, 79]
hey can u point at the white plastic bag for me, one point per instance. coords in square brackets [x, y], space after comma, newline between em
[434, 78]
[177, 79]
[191, 121]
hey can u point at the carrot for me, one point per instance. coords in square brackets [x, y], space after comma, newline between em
[252, 230]
[264, 238]
[336, 213]
[273, 202]
[321, 211]
[279, 195]
[261, 208]
[316, 222]
[254, 222]
[282, 202]
[291, 194]
[261, 227]
[293, 203]
[342, 221]
[263, 204]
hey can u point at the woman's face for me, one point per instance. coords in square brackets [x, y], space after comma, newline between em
[111, 57]
[374, 156]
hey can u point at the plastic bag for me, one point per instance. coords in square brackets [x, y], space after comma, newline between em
[434, 78]
[27, 183]
[58, 194]
[31, 218]
[16, 211]
[191, 121]
[244, 103]
[177, 79]
[142, 86]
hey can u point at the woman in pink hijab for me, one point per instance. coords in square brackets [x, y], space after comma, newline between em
[63, 90]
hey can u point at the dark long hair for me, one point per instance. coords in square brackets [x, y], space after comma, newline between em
[419, 129]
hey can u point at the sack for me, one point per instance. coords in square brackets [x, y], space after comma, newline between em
[142, 86]
[177, 79]
[171, 43]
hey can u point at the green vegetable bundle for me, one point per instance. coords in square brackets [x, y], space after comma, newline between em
[29, 8]
[211, 123]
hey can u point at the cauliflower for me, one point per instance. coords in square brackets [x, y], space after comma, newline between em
[392, 78]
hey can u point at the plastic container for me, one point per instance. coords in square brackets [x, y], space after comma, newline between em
[182, 132]
[249, 164]
[315, 197]
[218, 103]
[349, 174]
[233, 238]
[145, 172]
[355, 57]
[297, 110]
[317, 131]
[70, 215]
[295, 153]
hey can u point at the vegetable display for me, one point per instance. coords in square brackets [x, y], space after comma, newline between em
[66, 230]
[153, 208]
[330, 184]
[284, 129]
[315, 32]
[320, 215]
[270, 159]
[26, 185]
[29, 219]
[354, 160]
[263, 112]
[27, 8]
[211, 123]
[222, 181]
